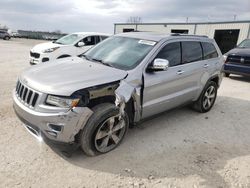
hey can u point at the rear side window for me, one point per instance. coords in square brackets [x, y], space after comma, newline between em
[171, 52]
[209, 50]
[191, 51]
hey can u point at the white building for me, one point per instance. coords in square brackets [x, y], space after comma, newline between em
[227, 34]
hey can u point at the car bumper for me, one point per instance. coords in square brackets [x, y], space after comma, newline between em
[46, 125]
[236, 69]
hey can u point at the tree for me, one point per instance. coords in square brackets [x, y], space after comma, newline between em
[134, 19]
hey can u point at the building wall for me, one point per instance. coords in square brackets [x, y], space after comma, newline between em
[209, 29]
[199, 29]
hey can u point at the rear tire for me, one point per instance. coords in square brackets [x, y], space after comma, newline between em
[207, 98]
[104, 130]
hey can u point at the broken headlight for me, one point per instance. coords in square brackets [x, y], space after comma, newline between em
[64, 102]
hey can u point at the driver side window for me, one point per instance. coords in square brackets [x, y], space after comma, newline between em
[171, 52]
[89, 41]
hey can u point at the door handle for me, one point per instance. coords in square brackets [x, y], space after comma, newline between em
[179, 72]
[206, 66]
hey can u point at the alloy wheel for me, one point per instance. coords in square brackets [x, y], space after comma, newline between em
[110, 133]
[209, 97]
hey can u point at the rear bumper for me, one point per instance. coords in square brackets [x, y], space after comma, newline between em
[42, 125]
[236, 69]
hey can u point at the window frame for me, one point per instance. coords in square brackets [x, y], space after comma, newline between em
[203, 54]
[167, 59]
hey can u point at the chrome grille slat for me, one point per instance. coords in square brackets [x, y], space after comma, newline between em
[22, 94]
[21, 91]
[32, 97]
[26, 95]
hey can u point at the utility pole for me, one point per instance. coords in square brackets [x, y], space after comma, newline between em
[235, 16]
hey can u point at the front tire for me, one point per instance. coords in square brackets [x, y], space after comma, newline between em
[227, 74]
[104, 130]
[6, 38]
[207, 98]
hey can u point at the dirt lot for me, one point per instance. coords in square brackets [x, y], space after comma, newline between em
[180, 148]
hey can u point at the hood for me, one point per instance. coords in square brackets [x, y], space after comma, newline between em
[43, 46]
[65, 76]
[239, 51]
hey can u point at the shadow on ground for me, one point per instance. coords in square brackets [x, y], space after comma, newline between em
[240, 78]
[179, 143]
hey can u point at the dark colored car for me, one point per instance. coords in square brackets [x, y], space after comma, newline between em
[237, 60]
[4, 35]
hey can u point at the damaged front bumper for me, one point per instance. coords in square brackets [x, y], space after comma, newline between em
[56, 126]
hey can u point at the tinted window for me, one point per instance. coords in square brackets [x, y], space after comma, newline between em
[191, 51]
[171, 52]
[209, 50]
[89, 40]
[97, 39]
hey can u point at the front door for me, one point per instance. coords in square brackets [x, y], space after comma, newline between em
[89, 41]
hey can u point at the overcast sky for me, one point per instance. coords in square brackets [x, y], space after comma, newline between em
[100, 15]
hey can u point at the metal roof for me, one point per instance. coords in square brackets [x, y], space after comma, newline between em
[184, 23]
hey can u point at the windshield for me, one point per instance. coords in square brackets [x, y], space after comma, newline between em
[120, 52]
[69, 39]
[244, 44]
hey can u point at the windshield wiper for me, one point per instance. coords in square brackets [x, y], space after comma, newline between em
[100, 61]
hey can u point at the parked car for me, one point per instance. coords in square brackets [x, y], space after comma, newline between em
[70, 45]
[4, 35]
[16, 35]
[91, 100]
[237, 60]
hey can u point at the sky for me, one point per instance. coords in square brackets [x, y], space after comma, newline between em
[100, 15]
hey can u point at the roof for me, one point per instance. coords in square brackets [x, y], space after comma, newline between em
[92, 33]
[184, 23]
[154, 36]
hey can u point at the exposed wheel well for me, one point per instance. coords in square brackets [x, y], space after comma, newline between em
[215, 79]
[99, 100]
[129, 108]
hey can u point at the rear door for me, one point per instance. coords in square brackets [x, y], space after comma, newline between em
[164, 90]
[211, 59]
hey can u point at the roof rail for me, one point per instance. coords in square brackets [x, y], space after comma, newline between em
[186, 35]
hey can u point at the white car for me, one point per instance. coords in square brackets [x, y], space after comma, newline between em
[70, 45]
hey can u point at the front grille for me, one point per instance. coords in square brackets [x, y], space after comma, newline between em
[35, 55]
[238, 59]
[26, 95]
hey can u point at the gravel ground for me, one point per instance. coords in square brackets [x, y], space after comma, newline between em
[179, 148]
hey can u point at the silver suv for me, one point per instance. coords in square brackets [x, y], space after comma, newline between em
[91, 100]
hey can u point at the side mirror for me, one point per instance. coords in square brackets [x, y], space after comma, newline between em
[159, 65]
[80, 44]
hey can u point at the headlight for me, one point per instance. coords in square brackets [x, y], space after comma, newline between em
[63, 102]
[225, 57]
[50, 50]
